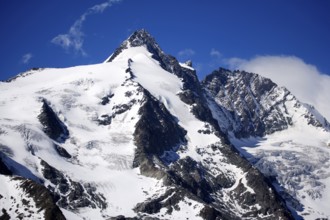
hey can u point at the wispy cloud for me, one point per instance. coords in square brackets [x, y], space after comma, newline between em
[26, 58]
[215, 53]
[74, 38]
[304, 80]
[186, 53]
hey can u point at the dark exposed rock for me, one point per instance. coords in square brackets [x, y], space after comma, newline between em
[106, 99]
[223, 181]
[131, 74]
[70, 194]
[3, 168]
[157, 131]
[4, 215]
[105, 120]
[190, 175]
[5, 152]
[119, 109]
[43, 199]
[52, 125]
[61, 151]
[209, 212]
[169, 200]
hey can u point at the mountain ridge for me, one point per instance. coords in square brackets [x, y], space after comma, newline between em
[261, 97]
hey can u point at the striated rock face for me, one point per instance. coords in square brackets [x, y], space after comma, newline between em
[156, 133]
[251, 105]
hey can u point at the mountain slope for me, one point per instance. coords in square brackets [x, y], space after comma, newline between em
[133, 136]
[288, 141]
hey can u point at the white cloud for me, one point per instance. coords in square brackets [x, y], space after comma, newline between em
[74, 39]
[305, 81]
[186, 53]
[215, 53]
[26, 58]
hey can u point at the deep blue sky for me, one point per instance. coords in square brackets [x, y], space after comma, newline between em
[205, 31]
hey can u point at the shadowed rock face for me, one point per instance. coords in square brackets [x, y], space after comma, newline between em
[3, 168]
[156, 132]
[52, 125]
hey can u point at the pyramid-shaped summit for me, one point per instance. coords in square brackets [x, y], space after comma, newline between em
[138, 38]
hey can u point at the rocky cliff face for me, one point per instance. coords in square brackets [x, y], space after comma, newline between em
[279, 135]
[251, 105]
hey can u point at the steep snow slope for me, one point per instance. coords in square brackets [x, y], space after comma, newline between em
[286, 140]
[131, 137]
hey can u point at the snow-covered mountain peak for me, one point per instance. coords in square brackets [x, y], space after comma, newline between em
[140, 38]
[139, 136]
